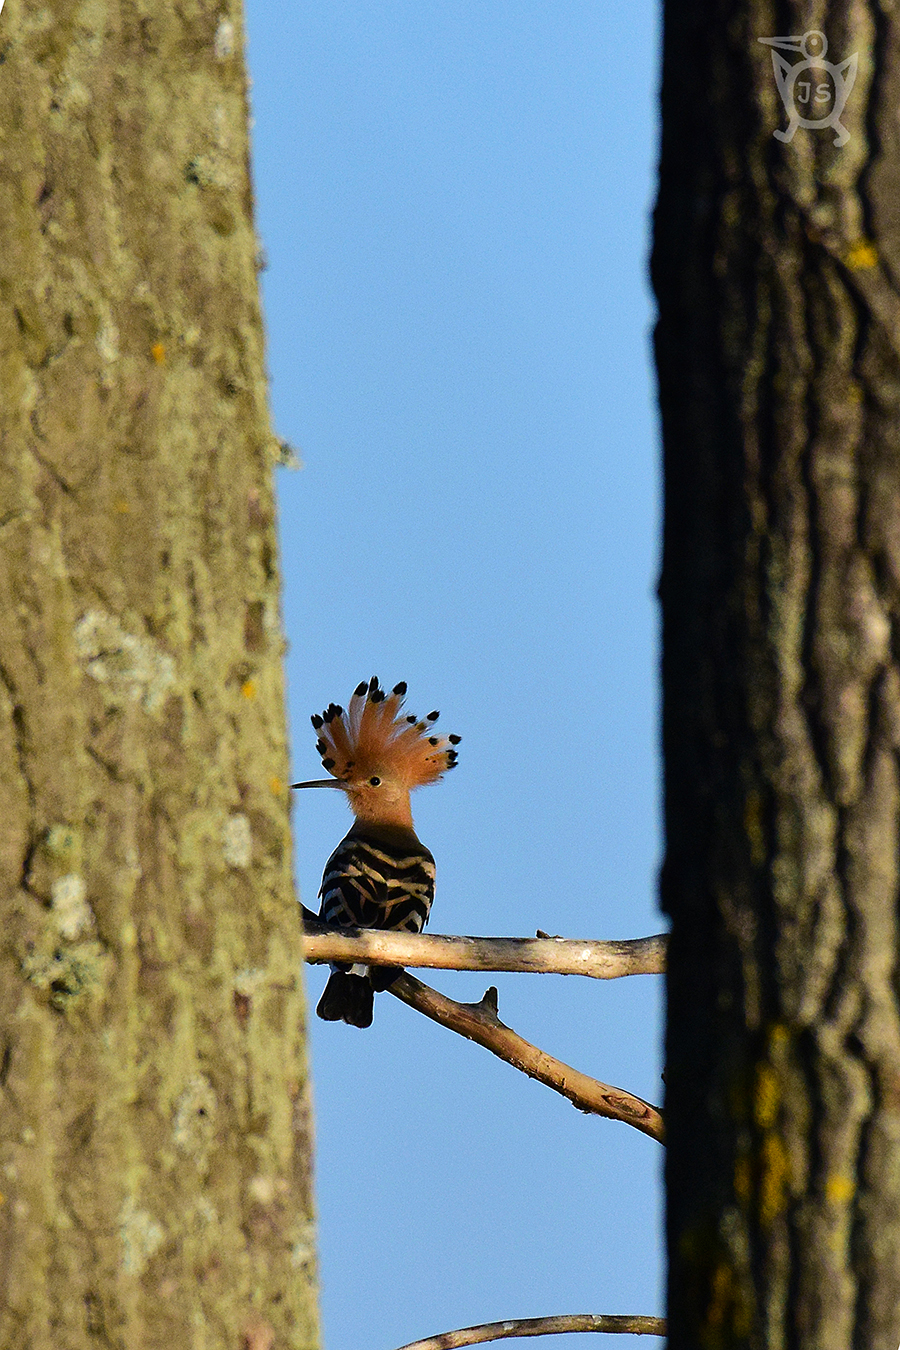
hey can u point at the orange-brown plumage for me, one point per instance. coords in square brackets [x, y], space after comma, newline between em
[372, 738]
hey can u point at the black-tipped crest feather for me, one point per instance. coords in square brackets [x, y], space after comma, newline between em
[372, 736]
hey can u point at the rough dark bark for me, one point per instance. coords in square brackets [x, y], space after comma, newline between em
[776, 268]
[154, 1150]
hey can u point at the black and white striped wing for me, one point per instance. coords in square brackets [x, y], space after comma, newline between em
[372, 884]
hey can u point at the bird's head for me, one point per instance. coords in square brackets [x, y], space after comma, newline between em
[376, 756]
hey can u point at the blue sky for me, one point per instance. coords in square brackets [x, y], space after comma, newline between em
[454, 204]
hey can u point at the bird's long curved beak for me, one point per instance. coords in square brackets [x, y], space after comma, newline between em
[320, 782]
[786, 44]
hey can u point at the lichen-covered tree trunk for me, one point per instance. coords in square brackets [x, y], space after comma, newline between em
[154, 1141]
[776, 266]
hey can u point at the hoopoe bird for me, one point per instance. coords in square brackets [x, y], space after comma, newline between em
[380, 875]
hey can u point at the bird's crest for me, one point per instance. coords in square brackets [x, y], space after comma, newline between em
[372, 736]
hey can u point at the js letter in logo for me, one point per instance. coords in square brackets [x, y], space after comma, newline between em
[813, 91]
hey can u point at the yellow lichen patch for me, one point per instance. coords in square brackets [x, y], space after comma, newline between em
[276, 786]
[122, 506]
[248, 689]
[727, 1313]
[713, 1287]
[766, 1096]
[862, 254]
[158, 352]
[778, 1036]
[773, 1181]
[839, 1190]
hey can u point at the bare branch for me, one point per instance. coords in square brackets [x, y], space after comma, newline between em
[542, 955]
[479, 1022]
[541, 1326]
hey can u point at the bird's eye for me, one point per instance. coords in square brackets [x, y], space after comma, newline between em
[375, 782]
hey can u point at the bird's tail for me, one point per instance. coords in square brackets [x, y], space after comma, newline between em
[350, 997]
[347, 998]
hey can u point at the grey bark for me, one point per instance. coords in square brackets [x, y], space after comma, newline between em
[154, 1136]
[776, 268]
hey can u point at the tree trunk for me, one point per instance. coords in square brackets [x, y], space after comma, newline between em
[778, 346]
[154, 1142]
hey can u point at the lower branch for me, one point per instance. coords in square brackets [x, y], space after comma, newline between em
[479, 1022]
[541, 1326]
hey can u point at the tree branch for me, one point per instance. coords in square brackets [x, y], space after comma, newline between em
[542, 955]
[541, 1326]
[479, 1022]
